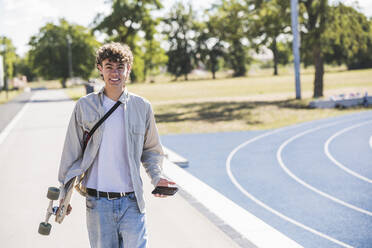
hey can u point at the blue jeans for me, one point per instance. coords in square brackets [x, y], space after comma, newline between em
[115, 223]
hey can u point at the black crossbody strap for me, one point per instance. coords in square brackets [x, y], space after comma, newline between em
[88, 135]
[112, 109]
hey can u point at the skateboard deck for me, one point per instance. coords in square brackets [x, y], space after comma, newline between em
[62, 209]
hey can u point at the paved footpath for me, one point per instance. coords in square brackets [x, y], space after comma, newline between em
[9, 110]
[30, 149]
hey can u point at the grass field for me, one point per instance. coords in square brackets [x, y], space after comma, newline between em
[52, 84]
[247, 103]
[11, 94]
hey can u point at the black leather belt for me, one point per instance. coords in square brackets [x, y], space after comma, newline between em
[108, 195]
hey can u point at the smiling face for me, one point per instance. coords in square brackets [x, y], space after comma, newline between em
[114, 73]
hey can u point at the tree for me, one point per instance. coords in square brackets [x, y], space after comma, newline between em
[179, 29]
[284, 53]
[209, 46]
[50, 48]
[333, 34]
[8, 52]
[154, 57]
[129, 19]
[22, 66]
[230, 20]
[348, 38]
[270, 20]
[314, 14]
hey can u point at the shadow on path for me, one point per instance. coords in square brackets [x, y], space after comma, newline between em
[221, 111]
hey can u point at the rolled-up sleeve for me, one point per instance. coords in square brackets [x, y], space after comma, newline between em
[152, 154]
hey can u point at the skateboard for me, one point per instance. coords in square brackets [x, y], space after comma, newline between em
[59, 211]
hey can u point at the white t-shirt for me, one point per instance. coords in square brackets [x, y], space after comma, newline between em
[110, 169]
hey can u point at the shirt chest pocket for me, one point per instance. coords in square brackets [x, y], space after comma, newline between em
[137, 135]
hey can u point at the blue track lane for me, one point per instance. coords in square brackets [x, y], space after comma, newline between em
[290, 172]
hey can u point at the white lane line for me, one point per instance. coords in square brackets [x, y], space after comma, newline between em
[260, 203]
[343, 167]
[370, 142]
[249, 226]
[282, 165]
[14, 121]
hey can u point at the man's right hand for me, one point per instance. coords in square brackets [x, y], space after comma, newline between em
[69, 208]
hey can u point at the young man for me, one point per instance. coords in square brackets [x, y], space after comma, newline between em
[108, 170]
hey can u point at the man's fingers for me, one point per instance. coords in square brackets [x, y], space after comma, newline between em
[160, 196]
[165, 182]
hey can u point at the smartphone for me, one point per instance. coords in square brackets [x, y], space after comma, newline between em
[162, 190]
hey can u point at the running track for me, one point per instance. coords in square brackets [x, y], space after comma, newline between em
[312, 181]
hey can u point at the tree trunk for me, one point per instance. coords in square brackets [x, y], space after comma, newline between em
[238, 59]
[319, 71]
[214, 69]
[186, 79]
[63, 82]
[144, 73]
[274, 49]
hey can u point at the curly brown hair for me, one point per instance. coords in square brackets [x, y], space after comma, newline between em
[115, 52]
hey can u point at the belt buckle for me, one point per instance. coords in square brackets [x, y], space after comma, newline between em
[114, 198]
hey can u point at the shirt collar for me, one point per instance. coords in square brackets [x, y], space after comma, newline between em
[123, 97]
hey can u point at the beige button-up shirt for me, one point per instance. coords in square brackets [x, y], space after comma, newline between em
[141, 133]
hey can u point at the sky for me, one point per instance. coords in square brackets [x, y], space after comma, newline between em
[20, 19]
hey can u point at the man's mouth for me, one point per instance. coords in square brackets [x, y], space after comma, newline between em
[115, 79]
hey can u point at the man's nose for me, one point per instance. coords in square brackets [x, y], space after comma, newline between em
[115, 71]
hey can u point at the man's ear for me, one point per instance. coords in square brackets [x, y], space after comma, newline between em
[99, 67]
[128, 71]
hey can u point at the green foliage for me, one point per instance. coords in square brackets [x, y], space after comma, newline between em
[269, 21]
[334, 34]
[348, 38]
[138, 67]
[179, 29]
[127, 20]
[313, 20]
[8, 52]
[231, 22]
[49, 51]
[362, 60]
[209, 46]
[22, 66]
[284, 52]
[154, 57]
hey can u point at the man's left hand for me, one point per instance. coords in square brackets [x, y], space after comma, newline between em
[165, 183]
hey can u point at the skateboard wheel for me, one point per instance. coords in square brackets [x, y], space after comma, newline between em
[44, 228]
[53, 193]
